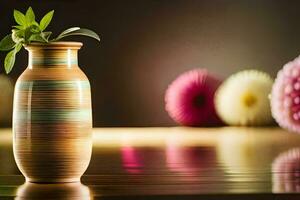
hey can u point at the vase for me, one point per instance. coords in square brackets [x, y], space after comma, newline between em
[52, 116]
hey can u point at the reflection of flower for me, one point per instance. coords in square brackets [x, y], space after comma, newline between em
[239, 150]
[243, 98]
[286, 171]
[131, 160]
[285, 99]
[189, 99]
[188, 159]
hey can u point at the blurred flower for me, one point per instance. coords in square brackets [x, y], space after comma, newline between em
[189, 99]
[285, 98]
[243, 98]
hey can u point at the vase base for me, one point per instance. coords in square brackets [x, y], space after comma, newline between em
[58, 180]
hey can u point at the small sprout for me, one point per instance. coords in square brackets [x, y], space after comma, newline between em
[29, 30]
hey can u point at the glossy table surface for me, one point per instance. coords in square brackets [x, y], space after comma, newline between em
[173, 163]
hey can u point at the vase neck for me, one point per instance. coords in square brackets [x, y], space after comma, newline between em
[53, 54]
[51, 58]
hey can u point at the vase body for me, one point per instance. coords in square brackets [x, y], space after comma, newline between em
[52, 117]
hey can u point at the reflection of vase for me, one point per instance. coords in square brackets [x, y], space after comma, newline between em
[286, 172]
[52, 120]
[6, 99]
[66, 191]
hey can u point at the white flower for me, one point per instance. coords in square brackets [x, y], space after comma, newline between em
[243, 98]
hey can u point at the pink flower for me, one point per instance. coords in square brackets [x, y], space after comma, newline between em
[190, 99]
[285, 170]
[285, 98]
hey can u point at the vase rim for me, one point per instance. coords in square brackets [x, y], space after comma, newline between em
[54, 45]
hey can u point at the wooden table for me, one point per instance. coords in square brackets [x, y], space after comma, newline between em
[173, 163]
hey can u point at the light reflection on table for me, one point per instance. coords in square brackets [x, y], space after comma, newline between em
[175, 161]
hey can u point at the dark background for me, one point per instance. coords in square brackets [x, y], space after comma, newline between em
[147, 43]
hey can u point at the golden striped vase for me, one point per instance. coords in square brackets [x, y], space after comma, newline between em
[52, 118]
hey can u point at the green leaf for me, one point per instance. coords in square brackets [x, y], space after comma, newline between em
[9, 61]
[37, 38]
[46, 20]
[18, 27]
[18, 36]
[10, 58]
[30, 17]
[7, 43]
[18, 47]
[81, 31]
[34, 29]
[40, 37]
[35, 24]
[69, 30]
[27, 34]
[46, 35]
[24, 35]
[20, 18]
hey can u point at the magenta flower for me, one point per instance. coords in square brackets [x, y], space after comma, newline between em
[285, 98]
[190, 99]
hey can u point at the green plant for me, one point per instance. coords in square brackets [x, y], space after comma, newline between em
[28, 30]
